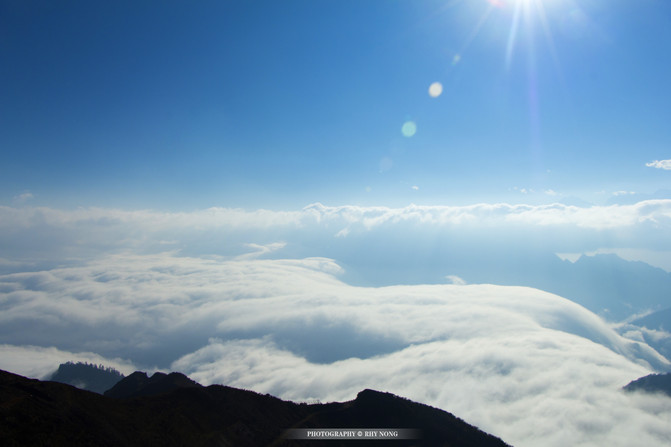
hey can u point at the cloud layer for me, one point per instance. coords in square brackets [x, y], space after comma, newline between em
[526, 365]
[267, 300]
[482, 243]
[32, 234]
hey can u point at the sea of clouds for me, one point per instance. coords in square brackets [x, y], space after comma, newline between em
[141, 290]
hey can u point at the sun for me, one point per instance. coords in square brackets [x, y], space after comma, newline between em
[524, 14]
[517, 3]
[523, 21]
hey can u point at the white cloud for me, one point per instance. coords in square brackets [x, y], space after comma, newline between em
[526, 365]
[261, 250]
[40, 362]
[501, 214]
[24, 197]
[540, 392]
[660, 164]
[641, 333]
[342, 233]
[524, 190]
[454, 279]
[572, 257]
[99, 222]
[375, 245]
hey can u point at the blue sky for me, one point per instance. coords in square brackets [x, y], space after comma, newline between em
[174, 105]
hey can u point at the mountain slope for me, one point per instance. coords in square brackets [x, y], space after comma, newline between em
[48, 413]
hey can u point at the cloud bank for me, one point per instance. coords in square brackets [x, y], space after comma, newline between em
[375, 246]
[30, 233]
[526, 365]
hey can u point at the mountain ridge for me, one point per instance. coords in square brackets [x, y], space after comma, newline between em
[139, 384]
[34, 412]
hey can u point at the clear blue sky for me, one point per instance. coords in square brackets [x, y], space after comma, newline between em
[186, 105]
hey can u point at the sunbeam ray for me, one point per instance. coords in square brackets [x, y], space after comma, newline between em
[512, 35]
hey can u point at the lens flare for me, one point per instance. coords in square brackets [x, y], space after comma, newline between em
[409, 129]
[435, 89]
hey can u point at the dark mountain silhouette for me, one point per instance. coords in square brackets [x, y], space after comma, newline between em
[139, 384]
[654, 383]
[376, 409]
[87, 376]
[33, 412]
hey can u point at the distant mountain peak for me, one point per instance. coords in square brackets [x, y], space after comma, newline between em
[653, 383]
[87, 376]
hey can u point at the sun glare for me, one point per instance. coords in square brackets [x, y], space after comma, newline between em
[516, 3]
[524, 14]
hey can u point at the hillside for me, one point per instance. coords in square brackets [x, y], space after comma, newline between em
[33, 412]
